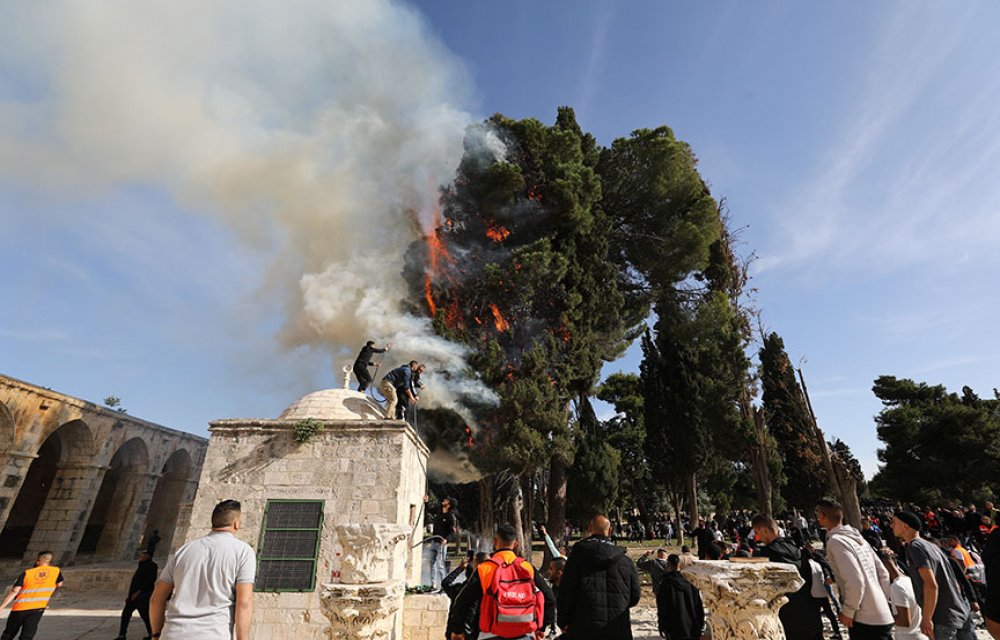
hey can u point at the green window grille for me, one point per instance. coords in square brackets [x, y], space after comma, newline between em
[289, 545]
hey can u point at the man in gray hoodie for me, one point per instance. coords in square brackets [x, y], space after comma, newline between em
[862, 579]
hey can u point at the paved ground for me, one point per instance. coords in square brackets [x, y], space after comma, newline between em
[89, 617]
[83, 617]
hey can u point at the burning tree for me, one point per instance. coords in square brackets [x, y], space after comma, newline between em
[519, 267]
[545, 259]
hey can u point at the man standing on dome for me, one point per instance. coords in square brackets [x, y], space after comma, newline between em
[400, 378]
[363, 361]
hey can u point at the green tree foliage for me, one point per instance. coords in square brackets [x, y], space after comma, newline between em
[790, 423]
[594, 478]
[840, 449]
[626, 433]
[938, 446]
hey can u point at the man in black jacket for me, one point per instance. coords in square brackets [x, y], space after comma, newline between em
[800, 617]
[139, 590]
[598, 587]
[363, 361]
[679, 610]
[463, 618]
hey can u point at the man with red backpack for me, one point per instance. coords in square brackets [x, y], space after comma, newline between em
[504, 598]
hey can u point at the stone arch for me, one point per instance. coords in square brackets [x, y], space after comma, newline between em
[109, 526]
[68, 443]
[8, 431]
[167, 498]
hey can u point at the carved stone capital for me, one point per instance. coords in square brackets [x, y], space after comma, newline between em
[361, 611]
[368, 551]
[743, 598]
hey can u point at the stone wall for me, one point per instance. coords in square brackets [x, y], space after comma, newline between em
[79, 479]
[367, 471]
[425, 616]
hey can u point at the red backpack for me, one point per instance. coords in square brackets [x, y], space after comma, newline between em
[512, 605]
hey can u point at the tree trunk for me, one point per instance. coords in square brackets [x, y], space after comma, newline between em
[486, 522]
[677, 501]
[514, 510]
[527, 512]
[821, 442]
[760, 462]
[849, 492]
[692, 497]
[556, 524]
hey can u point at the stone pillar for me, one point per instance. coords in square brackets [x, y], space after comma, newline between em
[64, 517]
[367, 604]
[134, 517]
[743, 598]
[12, 474]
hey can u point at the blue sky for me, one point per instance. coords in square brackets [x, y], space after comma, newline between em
[857, 143]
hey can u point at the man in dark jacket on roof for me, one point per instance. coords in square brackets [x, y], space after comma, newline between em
[598, 587]
[800, 617]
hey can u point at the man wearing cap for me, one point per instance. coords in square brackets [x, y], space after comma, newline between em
[946, 615]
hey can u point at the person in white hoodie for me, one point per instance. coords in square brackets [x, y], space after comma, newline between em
[861, 578]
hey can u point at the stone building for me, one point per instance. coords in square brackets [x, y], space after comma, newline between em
[336, 518]
[90, 484]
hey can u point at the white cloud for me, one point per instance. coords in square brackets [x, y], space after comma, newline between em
[903, 183]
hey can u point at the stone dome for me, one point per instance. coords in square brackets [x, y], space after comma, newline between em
[334, 404]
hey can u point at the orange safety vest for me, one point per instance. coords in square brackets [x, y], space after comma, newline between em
[967, 560]
[39, 585]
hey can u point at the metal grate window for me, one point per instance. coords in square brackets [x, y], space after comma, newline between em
[289, 545]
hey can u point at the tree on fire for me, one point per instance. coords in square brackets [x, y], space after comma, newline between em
[535, 293]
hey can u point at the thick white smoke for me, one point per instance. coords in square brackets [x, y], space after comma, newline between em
[318, 130]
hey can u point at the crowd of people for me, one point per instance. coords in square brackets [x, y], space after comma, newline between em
[907, 573]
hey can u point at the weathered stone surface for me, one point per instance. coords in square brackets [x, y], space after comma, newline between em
[425, 616]
[97, 475]
[334, 404]
[370, 475]
[743, 598]
[362, 612]
[369, 551]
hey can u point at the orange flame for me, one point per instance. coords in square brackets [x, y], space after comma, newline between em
[468, 437]
[437, 253]
[497, 233]
[429, 296]
[498, 320]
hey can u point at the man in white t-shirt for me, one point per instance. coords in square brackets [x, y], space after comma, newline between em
[904, 601]
[211, 580]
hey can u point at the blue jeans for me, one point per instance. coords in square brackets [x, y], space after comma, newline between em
[966, 632]
[438, 552]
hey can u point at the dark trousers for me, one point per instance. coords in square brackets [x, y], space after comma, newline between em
[361, 373]
[830, 615]
[140, 604]
[24, 621]
[870, 632]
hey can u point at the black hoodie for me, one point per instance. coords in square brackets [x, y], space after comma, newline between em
[801, 616]
[598, 587]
